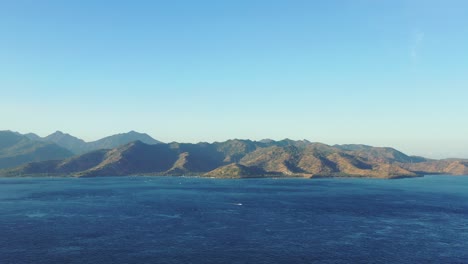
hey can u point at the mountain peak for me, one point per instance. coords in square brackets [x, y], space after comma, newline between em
[33, 136]
[9, 132]
[9, 138]
[58, 132]
[121, 139]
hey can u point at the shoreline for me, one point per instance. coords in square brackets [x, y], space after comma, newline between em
[36, 176]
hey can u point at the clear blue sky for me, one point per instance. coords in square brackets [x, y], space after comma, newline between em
[385, 73]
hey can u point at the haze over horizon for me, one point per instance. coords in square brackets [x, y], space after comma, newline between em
[387, 73]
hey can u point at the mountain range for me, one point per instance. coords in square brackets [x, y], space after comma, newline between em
[79, 146]
[16, 149]
[231, 159]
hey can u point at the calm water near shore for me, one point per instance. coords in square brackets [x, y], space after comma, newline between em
[199, 220]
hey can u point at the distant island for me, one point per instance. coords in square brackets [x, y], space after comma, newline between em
[136, 153]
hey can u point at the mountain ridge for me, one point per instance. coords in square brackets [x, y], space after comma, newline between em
[79, 146]
[16, 149]
[243, 158]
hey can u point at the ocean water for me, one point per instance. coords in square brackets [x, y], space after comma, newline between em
[199, 220]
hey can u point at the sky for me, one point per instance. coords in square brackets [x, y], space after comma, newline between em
[384, 73]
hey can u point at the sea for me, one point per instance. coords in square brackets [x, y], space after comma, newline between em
[203, 220]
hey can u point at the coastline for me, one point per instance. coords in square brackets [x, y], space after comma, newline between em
[314, 177]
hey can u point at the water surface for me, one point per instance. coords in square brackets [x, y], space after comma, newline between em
[199, 220]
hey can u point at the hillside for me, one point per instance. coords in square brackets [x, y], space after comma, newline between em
[79, 146]
[235, 170]
[16, 149]
[67, 141]
[244, 158]
[120, 139]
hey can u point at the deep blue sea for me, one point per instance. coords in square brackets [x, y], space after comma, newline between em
[199, 220]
